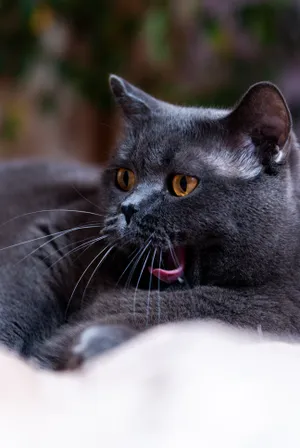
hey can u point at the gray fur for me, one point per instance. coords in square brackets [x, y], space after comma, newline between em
[240, 228]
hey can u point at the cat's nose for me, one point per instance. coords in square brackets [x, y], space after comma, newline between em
[128, 211]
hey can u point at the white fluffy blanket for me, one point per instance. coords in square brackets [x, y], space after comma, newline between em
[185, 385]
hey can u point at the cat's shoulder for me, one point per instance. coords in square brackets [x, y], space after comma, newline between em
[30, 185]
[35, 172]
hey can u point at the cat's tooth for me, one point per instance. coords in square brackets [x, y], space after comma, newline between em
[180, 279]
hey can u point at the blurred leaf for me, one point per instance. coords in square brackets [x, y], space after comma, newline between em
[42, 18]
[17, 42]
[11, 126]
[156, 28]
[218, 36]
[47, 103]
[210, 26]
[261, 20]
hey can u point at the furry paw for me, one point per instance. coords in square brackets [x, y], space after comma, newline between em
[95, 340]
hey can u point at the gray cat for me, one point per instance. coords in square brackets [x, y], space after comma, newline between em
[195, 216]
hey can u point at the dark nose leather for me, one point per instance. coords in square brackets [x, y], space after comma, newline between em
[128, 211]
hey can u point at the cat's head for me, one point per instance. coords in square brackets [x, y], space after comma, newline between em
[209, 188]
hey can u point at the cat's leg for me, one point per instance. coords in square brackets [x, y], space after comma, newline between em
[75, 344]
[267, 309]
[95, 340]
[272, 308]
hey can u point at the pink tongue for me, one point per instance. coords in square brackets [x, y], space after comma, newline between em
[170, 276]
[167, 276]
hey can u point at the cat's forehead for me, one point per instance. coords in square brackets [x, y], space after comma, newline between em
[169, 135]
[185, 137]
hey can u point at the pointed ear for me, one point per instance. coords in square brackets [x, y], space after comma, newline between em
[135, 103]
[263, 115]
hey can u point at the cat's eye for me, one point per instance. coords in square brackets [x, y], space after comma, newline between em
[183, 185]
[125, 179]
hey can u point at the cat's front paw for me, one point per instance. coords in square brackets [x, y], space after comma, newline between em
[93, 341]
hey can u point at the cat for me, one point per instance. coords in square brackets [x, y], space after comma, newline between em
[196, 216]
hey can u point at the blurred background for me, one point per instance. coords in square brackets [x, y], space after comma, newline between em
[55, 57]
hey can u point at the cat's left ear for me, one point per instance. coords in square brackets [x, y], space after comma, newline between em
[263, 115]
[135, 103]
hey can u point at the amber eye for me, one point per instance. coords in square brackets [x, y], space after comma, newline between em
[125, 179]
[184, 185]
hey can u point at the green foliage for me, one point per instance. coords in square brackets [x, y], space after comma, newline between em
[108, 38]
[261, 20]
[10, 127]
[108, 30]
[17, 41]
[156, 27]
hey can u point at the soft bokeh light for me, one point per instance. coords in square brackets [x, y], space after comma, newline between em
[55, 57]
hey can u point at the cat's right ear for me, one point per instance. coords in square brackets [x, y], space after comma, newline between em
[263, 116]
[135, 104]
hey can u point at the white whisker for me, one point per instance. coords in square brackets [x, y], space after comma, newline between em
[49, 211]
[136, 263]
[182, 279]
[87, 242]
[96, 268]
[129, 264]
[86, 199]
[158, 288]
[149, 289]
[139, 279]
[82, 275]
[47, 236]
[173, 254]
[58, 235]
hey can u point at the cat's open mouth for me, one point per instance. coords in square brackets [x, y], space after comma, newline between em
[173, 266]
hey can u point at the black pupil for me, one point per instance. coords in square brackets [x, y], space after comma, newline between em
[183, 183]
[126, 178]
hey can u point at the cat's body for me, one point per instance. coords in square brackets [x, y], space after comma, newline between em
[217, 191]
